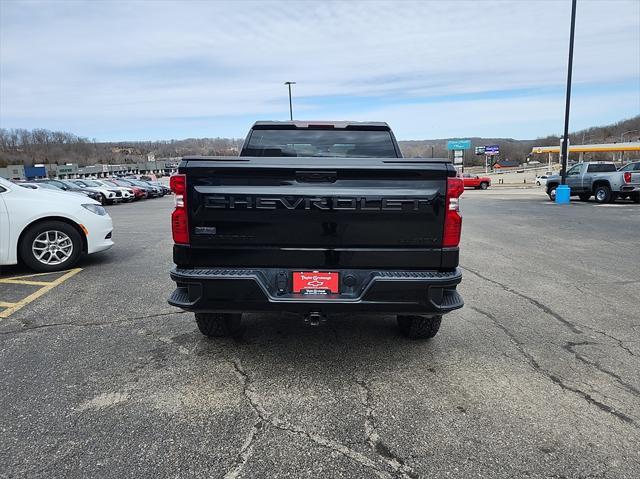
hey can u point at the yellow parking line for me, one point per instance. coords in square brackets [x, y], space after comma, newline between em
[24, 281]
[34, 275]
[4, 304]
[35, 295]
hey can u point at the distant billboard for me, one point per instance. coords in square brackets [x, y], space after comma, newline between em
[479, 150]
[458, 144]
[492, 150]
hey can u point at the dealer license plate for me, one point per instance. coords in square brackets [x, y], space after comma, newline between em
[315, 282]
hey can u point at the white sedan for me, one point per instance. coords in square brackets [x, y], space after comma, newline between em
[541, 180]
[127, 193]
[109, 195]
[49, 230]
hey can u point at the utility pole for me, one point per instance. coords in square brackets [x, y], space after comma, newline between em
[289, 83]
[563, 192]
[565, 143]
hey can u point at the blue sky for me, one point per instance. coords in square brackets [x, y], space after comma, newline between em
[433, 69]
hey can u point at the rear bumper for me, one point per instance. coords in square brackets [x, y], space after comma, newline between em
[268, 289]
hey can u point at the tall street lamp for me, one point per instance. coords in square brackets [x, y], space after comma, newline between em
[628, 131]
[563, 192]
[622, 141]
[289, 83]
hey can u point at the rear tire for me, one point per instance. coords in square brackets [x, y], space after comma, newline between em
[635, 198]
[602, 194]
[584, 196]
[218, 325]
[484, 185]
[419, 327]
[551, 192]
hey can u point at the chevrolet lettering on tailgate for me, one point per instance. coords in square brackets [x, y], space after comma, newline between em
[320, 203]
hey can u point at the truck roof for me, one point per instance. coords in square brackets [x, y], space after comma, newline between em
[355, 125]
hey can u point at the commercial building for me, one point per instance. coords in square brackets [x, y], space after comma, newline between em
[13, 172]
[161, 166]
[613, 148]
[35, 172]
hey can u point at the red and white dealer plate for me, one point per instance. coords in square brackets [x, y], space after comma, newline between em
[315, 282]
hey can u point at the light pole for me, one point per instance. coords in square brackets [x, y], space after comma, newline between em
[622, 141]
[628, 131]
[563, 192]
[289, 83]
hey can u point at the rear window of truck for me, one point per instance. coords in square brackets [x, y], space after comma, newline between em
[601, 168]
[321, 143]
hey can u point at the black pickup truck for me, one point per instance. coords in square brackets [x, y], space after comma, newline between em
[316, 218]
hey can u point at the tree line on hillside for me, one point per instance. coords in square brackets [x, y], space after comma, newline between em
[29, 147]
[41, 146]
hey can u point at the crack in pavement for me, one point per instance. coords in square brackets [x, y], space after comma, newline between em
[570, 347]
[245, 451]
[28, 328]
[619, 341]
[533, 363]
[542, 307]
[373, 438]
[267, 418]
[550, 312]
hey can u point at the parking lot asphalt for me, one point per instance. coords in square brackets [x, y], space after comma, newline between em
[537, 376]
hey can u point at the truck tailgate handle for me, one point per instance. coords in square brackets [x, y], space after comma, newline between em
[320, 176]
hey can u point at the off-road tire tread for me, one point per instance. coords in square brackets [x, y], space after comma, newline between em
[419, 327]
[218, 325]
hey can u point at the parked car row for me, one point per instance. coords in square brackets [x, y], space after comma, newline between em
[107, 191]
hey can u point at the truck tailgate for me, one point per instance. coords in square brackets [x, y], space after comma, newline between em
[315, 212]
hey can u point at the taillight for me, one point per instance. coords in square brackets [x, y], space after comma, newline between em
[179, 217]
[452, 217]
[178, 184]
[627, 177]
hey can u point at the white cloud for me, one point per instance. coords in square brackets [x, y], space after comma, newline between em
[62, 62]
[504, 117]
